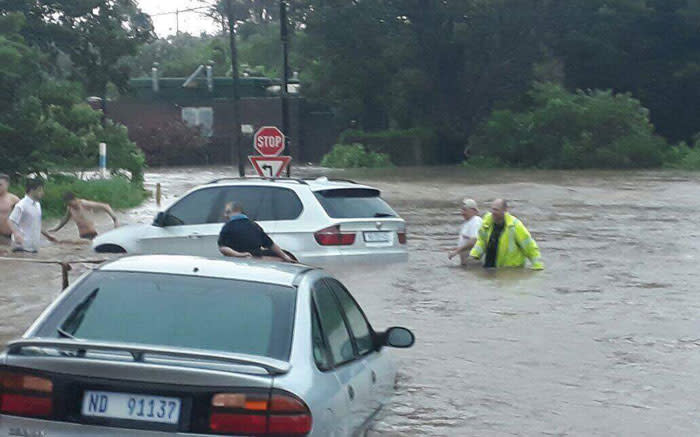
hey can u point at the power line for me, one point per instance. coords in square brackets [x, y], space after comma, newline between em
[175, 12]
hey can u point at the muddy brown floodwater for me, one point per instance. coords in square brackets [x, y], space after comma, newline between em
[605, 341]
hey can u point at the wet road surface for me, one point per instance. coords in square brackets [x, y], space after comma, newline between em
[605, 341]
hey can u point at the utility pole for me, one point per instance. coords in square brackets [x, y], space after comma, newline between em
[284, 36]
[177, 21]
[236, 149]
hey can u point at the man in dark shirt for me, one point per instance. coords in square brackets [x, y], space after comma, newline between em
[243, 238]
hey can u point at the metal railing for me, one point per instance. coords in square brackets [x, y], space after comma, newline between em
[65, 265]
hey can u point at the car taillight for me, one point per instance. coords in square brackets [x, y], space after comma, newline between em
[25, 395]
[259, 414]
[403, 238]
[332, 236]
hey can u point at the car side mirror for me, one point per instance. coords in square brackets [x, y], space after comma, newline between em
[399, 337]
[159, 221]
[164, 219]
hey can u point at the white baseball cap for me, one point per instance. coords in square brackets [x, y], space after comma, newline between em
[469, 204]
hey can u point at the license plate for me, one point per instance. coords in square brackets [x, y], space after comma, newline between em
[131, 407]
[377, 237]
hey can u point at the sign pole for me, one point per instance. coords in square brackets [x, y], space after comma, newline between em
[103, 160]
[285, 79]
[236, 147]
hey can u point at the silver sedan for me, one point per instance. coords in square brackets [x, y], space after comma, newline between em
[179, 345]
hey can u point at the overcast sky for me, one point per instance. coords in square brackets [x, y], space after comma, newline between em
[191, 22]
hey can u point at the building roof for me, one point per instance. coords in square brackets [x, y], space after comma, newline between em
[171, 88]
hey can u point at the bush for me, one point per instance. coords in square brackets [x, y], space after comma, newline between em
[594, 129]
[118, 191]
[170, 143]
[684, 157]
[418, 146]
[483, 162]
[354, 156]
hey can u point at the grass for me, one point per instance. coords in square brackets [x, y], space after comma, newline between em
[119, 192]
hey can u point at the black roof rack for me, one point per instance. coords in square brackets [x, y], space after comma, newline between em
[243, 178]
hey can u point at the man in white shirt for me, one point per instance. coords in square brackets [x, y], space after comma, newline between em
[25, 219]
[469, 232]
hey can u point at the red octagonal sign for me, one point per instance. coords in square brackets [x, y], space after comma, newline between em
[269, 141]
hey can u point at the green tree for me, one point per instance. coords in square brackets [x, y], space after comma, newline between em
[45, 124]
[595, 129]
[408, 63]
[650, 48]
[85, 39]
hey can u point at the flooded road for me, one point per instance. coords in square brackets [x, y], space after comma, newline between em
[605, 341]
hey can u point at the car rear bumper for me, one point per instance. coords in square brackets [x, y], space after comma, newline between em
[23, 426]
[374, 257]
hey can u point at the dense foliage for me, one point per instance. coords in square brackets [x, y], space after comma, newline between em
[385, 65]
[354, 156]
[52, 55]
[595, 129]
[447, 65]
[684, 157]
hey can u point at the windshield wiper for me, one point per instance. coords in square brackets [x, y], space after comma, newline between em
[383, 214]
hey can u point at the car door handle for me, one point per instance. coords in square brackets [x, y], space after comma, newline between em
[351, 392]
[374, 377]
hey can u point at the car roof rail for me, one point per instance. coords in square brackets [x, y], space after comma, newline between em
[260, 178]
[327, 179]
[138, 351]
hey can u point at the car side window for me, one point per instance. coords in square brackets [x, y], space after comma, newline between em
[360, 327]
[196, 208]
[320, 349]
[333, 324]
[265, 203]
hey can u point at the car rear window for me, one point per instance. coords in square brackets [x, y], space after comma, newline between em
[183, 311]
[354, 203]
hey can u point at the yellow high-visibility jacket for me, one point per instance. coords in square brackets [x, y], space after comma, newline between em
[515, 244]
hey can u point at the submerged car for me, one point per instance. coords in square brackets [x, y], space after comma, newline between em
[319, 222]
[179, 345]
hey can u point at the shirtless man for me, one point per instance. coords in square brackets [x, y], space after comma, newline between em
[76, 209]
[7, 202]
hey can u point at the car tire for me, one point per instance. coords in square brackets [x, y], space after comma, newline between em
[109, 248]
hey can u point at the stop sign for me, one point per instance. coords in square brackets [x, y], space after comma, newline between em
[269, 141]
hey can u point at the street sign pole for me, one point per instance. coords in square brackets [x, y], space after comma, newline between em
[236, 147]
[284, 36]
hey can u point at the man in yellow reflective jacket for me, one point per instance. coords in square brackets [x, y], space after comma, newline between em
[504, 241]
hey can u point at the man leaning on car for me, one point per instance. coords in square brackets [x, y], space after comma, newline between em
[243, 238]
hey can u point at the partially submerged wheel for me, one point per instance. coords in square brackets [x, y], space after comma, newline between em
[109, 248]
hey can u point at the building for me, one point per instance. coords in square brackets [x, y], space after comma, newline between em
[206, 101]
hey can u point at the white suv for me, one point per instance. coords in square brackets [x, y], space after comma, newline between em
[317, 221]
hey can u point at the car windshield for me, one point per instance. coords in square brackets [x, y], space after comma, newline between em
[354, 203]
[182, 311]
